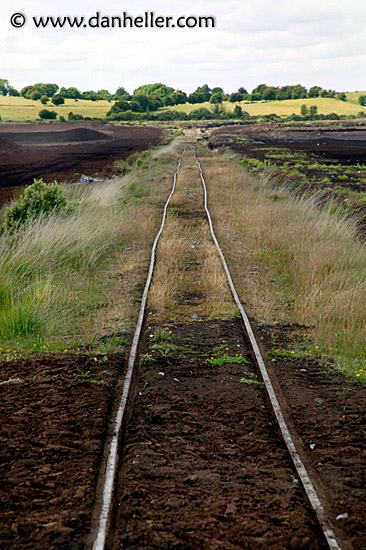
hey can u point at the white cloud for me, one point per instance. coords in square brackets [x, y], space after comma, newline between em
[255, 41]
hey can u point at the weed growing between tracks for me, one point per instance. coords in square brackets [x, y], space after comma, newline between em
[189, 281]
[300, 263]
[66, 281]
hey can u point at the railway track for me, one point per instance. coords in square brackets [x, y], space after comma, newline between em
[178, 376]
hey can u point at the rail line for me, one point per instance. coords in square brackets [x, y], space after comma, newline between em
[101, 531]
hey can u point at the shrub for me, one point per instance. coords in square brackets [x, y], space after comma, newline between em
[39, 198]
[58, 100]
[46, 114]
[35, 95]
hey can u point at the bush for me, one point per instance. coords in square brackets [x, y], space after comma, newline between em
[35, 95]
[39, 198]
[58, 100]
[45, 114]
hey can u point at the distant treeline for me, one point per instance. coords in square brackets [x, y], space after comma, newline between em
[160, 95]
[146, 102]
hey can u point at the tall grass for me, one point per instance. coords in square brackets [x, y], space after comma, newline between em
[56, 272]
[49, 268]
[306, 264]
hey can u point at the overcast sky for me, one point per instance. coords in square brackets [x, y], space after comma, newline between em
[317, 42]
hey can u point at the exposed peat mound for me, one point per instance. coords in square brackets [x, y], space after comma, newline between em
[63, 151]
[7, 145]
[47, 138]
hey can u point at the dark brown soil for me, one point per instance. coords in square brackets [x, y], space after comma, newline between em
[328, 413]
[53, 425]
[63, 151]
[204, 467]
[310, 157]
[344, 142]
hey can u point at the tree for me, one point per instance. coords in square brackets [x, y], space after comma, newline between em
[35, 95]
[242, 91]
[216, 98]
[341, 96]
[237, 112]
[45, 114]
[13, 92]
[58, 100]
[299, 92]
[362, 100]
[104, 94]
[180, 97]
[70, 93]
[44, 99]
[200, 114]
[48, 89]
[90, 95]
[236, 96]
[304, 110]
[121, 93]
[158, 89]
[269, 94]
[200, 95]
[217, 90]
[314, 91]
[4, 86]
[313, 110]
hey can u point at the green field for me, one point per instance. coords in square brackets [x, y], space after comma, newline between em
[284, 108]
[352, 97]
[19, 109]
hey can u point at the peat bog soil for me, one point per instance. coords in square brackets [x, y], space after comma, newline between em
[202, 466]
[324, 157]
[65, 150]
[54, 418]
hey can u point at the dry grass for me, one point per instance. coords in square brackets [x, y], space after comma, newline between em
[76, 278]
[19, 109]
[291, 261]
[188, 278]
[285, 107]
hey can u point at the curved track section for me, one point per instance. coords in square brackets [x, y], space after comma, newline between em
[112, 445]
[112, 449]
[300, 468]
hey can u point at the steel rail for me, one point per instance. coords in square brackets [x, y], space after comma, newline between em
[308, 486]
[103, 520]
[112, 448]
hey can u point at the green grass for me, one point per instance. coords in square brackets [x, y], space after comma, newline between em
[282, 108]
[225, 358]
[352, 97]
[251, 379]
[56, 273]
[19, 109]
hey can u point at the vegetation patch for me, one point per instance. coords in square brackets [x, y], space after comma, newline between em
[225, 358]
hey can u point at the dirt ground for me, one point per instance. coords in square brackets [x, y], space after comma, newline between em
[311, 157]
[342, 141]
[65, 150]
[53, 417]
[204, 466]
